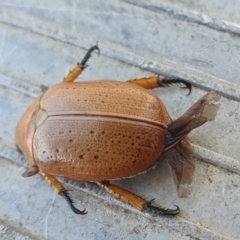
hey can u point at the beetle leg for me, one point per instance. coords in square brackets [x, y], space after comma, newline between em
[72, 76]
[158, 81]
[59, 188]
[161, 211]
[31, 171]
[136, 201]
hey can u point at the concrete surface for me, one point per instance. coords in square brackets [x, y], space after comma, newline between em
[41, 42]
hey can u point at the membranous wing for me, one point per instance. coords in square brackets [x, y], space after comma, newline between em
[179, 151]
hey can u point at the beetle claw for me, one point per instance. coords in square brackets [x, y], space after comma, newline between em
[88, 54]
[70, 202]
[83, 212]
[189, 89]
[161, 211]
[165, 82]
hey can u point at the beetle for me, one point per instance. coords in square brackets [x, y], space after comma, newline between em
[103, 130]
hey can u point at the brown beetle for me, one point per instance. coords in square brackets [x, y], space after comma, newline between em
[103, 130]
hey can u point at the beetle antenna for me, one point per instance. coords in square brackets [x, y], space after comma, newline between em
[161, 211]
[169, 81]
[44, 88]
[64, 193]
[88, 54]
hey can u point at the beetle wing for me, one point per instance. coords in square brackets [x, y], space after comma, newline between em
[182, 165]
[180, 152]
[204, 110]
[205, 107]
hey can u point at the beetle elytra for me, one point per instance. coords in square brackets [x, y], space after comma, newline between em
[103, 130]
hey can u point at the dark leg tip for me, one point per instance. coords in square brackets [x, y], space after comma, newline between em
[189, 87]
[88, 54]
[83, 212]
[64, 193]
[165, 82]
[161, 211]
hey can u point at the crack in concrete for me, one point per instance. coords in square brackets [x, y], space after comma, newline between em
[48, 214]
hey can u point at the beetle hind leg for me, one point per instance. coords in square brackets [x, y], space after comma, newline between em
[136, 201]
[59, 188]
[64, 193]
[157, 81]
[160, 210]
[72, 76]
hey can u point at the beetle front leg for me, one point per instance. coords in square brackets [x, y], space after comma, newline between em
[59, 188]
[158, 81]
[72, 76]
[136, 201]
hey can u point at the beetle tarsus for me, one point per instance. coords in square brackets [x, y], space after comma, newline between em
[169, 81]
[88, 55]
[70, 202]
[161, 211]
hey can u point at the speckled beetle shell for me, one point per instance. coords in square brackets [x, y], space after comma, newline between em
[98, 130]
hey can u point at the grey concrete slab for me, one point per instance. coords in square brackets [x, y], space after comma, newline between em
[113, 51]
[153, 35]
[218, 15]
[43, 54]
[44, 214]
[11, 111]
[224, 10]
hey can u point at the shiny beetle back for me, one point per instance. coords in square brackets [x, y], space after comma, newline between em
[100, 130]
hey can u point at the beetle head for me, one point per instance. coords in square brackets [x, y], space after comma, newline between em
[25, 131]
